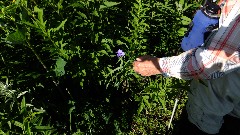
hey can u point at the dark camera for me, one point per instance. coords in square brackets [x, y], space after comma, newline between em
[211, 9]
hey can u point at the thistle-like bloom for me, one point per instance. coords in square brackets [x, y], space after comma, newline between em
[120, 53]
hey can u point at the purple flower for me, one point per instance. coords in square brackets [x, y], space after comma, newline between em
[120, 53]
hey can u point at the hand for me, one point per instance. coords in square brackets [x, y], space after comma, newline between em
[147, 65]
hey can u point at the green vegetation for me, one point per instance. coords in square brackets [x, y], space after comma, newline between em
[59, 71]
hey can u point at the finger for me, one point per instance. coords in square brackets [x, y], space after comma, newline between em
[138, 59]
[143, 58]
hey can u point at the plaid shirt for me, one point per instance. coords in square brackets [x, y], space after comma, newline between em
[221, 56]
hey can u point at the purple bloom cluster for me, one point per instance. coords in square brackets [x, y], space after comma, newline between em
[120, 53]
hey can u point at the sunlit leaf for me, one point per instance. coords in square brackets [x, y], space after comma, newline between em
[109, 4]
[21, 94]
[23, 105]
[2, 133]
[61, 25]
[145, 99]
[42, 128]
[18, 124]
[182, 31]
[59, 68]
[40, 13]
[185, 20]
[82, 15]
[102, 6]
[95, 13]
[140, 108]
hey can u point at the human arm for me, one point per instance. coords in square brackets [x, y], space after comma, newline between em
[214, 61]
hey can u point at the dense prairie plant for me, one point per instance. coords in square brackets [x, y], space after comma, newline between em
[74, 59]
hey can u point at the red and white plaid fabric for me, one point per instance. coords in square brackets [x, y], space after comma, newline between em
[220, 57]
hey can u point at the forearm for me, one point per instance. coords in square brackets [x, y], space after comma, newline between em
[200, 64]
[176, 66]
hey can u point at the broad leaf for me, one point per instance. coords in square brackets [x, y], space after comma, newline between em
[59, 69]
[17, 37]
[185, 20]
[110, 4]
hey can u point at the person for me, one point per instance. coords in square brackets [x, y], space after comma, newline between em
[216, 64]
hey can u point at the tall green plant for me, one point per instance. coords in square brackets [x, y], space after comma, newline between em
[155, 95]
[64, 53]
[18, 116]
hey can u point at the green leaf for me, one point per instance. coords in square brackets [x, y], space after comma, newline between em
[2, 133]
[21, 94]
[102, 6]
[181, 2]
[109, 4]
[28, 24]
[59, 5]
[18, 124]
[119, 42]
[182, 31]
[11, 9]
[140, 107]
[60, 26]
[163, 102]
[95, 13]
[145, 99]
[76, 4]
[40, 14]
[185, 20]
[42, 128]
[9, 124]
[71, 109]
[82, 15]
[59, 68]
[1, 16]
[23, 105]
[17, 37]
[103, 52]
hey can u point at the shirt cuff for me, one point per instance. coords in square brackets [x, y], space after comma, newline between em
[161, 65]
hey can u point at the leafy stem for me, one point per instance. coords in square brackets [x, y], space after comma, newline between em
[45, 67]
